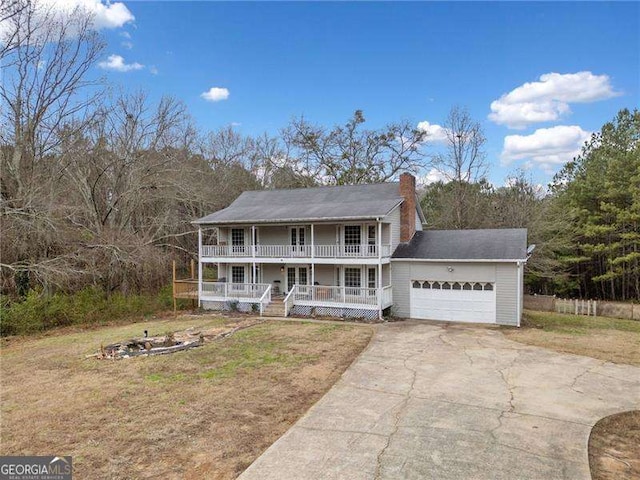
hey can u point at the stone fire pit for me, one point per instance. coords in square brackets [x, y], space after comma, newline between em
[170, 342]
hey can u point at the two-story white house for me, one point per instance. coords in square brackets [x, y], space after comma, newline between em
[356, 251]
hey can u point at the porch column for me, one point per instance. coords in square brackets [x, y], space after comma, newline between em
[379, 270]
[253, 252]
[199, 266]
[313, 253]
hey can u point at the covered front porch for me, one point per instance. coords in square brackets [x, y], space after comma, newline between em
[354, 291]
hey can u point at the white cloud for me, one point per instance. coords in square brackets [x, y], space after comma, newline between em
[105, 14]
[126, 35]
[434, 175]
[215, 94]
[435, 133]
[548, 99]
[127, 44]
[153, 70]
[117, 63]
[546, 147]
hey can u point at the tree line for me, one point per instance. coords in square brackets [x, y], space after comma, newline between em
[99, 188]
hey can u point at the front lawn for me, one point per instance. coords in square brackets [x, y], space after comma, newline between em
[202, 413]
[611, 339]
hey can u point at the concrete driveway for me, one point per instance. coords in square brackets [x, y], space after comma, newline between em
[453, 402]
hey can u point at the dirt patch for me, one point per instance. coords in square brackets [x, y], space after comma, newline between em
[608, 339]
[614, 447]
[201, 413]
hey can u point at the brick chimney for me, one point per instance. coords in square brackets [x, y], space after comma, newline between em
[408, 207]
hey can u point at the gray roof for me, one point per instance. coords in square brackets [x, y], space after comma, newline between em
[495, 244]
[305, 204]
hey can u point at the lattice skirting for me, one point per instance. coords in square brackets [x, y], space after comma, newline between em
[341, 312]
[226, 306]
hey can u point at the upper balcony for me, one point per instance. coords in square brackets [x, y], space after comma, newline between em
[322, 252]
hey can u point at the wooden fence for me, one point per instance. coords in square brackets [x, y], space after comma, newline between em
[546, 303]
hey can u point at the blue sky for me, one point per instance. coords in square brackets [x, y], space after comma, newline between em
[394, 61]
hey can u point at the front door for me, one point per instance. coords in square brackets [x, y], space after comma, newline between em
[296, 276]
[298, 239]
[371, 240]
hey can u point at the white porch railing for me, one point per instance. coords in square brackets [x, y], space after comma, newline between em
[265, 299]
[289, 251]
[387, 296]
[248, 292]
[331, 296]
[288, 301]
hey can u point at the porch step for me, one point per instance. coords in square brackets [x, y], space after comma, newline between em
[274, 309]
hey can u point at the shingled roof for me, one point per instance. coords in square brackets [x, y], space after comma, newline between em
[489, 244]
[309, 204]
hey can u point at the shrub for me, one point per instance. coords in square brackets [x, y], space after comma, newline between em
[38, 312]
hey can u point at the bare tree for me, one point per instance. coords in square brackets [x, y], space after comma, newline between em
[9, 9]
[463, 163]
[350, 154]
[45, 86]
[46, 90]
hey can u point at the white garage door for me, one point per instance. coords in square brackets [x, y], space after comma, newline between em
[453, 301]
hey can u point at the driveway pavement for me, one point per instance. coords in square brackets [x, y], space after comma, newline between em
[453, 402]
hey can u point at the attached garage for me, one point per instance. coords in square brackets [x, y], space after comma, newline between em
[453, 301]
[461, 276]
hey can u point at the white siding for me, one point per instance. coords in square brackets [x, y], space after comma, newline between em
[271, 272]
[400, 279]
[386, 274]
[324, 235]
[325, 275]
[273, 235]
[504, 275]
[418, 222]
[394, 220]
[507, 294]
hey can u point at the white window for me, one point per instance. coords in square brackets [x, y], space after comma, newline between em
[371, 280]
[352, 239]
[352, 277]
[237, 274]
[237, 240]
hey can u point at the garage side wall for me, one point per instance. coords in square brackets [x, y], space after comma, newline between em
[507, 293]
[504, 275]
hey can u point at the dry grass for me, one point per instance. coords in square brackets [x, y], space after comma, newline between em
[203, 413]
[608, 339]
[614, 447]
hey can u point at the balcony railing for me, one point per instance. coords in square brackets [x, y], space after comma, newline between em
[291, 251]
